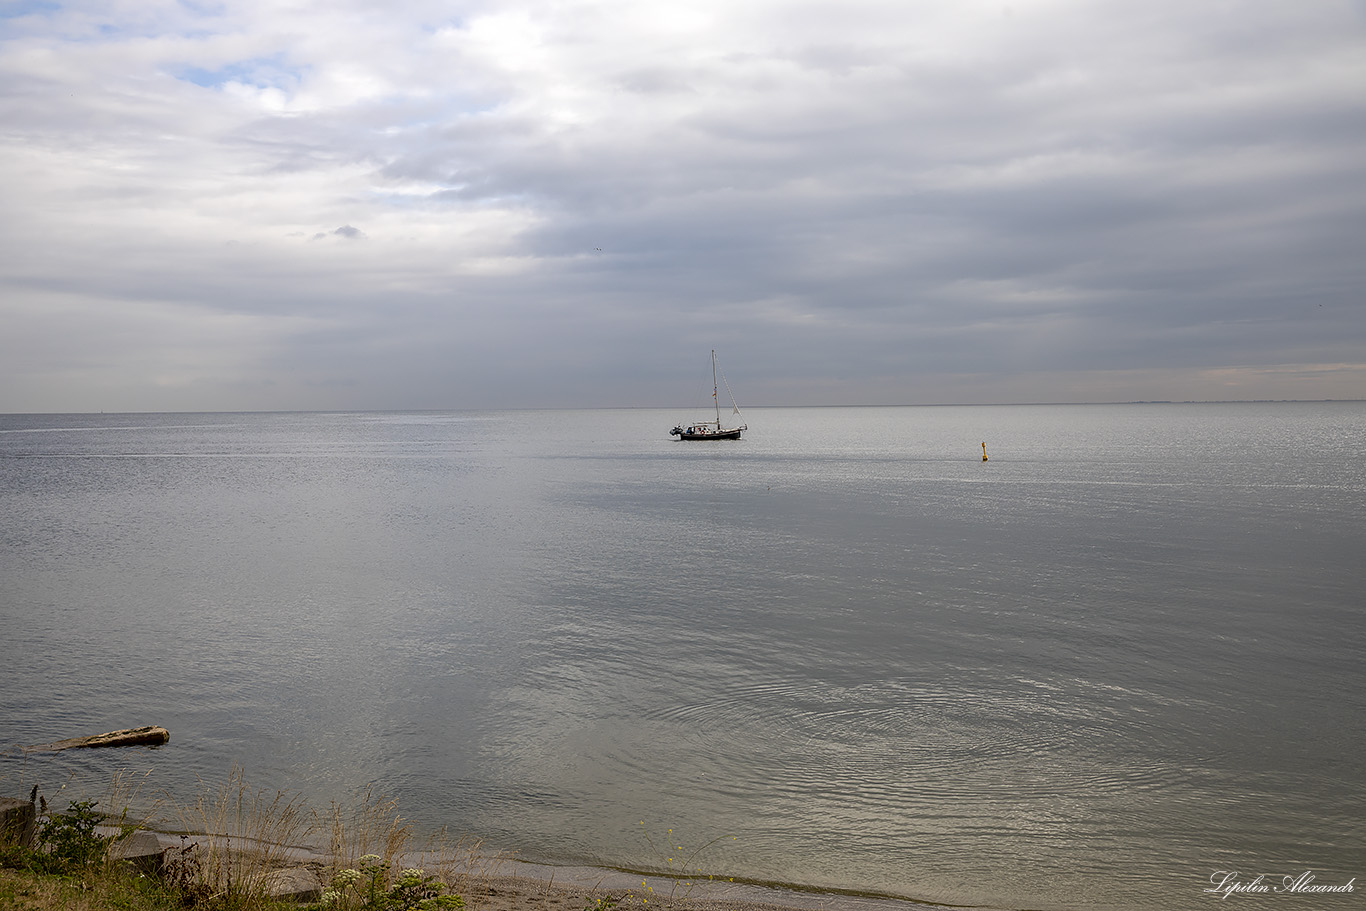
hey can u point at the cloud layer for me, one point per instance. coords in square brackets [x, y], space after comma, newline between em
[302, 205]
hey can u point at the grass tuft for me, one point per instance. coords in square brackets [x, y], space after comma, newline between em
[236, 836]
[247, 834]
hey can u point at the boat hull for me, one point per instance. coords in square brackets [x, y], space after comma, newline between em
[712, 435]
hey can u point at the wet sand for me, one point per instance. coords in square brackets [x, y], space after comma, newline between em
[517, 885]
[501, 883]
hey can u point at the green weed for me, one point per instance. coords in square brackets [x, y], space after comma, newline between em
[370, 888]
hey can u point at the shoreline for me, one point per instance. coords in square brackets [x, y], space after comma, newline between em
[643, 890]
[501, 881]
[496, 882]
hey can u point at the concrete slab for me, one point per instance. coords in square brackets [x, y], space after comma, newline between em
[298, 884]
[142, 849]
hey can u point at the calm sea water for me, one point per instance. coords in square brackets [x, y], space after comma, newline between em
[1123, 654]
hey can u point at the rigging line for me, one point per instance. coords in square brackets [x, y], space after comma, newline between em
[735, 406]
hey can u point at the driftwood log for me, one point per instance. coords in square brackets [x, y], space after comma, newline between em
[131, 737]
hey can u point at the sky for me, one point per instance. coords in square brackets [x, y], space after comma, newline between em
[299, 205]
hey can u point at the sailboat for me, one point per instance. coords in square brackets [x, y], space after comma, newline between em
[712, 430]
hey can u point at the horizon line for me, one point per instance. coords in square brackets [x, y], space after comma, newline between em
[693, 407]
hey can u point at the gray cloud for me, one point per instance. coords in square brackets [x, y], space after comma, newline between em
[345, 231]
[869, 202]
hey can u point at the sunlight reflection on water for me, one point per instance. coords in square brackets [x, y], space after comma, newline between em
[1087, 673]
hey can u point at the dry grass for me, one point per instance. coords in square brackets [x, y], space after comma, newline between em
[247, 834]
[372, 825]
[239, 835]
[126, 803]
[461, 863]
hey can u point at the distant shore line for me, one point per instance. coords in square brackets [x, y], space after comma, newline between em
[535, 408]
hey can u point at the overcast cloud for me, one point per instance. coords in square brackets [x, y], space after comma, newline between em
[303, 205]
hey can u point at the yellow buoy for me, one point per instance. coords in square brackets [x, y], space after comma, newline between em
[984, 451]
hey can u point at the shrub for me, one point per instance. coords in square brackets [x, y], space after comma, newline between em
[68, 843]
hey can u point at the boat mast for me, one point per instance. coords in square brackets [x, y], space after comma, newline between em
[715, 390]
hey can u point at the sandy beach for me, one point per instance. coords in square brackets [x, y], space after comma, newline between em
[518, 886]
[498, 882]
[508, 884]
